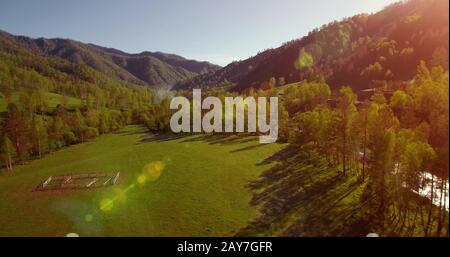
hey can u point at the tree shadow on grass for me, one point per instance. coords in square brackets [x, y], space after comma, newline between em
[161, 137]
[221, 139]
[303, 196]
[213, 139]
[126, 132]
[250, 147]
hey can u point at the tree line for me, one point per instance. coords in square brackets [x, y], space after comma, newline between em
[388, 141]
[31, 126]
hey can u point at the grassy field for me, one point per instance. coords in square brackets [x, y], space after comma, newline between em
[184, 186]
[52, 99]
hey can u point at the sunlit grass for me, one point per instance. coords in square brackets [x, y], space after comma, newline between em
[52, 99]
[193, 185]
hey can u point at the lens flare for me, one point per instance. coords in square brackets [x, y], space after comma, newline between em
[153, 170]
[141, 179]
[120, 195]
[106, 204]
[88, 217]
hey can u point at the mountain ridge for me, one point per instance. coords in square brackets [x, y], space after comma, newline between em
[155, 69]
[361, 51]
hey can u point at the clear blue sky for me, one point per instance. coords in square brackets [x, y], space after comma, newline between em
[218, 31]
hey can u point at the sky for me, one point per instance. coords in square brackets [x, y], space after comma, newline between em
[218, 31]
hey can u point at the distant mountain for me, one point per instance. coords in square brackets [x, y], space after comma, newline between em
[362, 51]
[146, 68]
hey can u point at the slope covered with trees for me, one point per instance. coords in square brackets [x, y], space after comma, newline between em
[362, 51]
[354, 167]
[89, 103]
[146, 68]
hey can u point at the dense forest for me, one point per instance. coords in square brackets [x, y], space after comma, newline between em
[363, 101]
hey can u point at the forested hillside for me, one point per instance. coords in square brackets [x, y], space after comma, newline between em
[363, 51]
[49, 102]
[146, 68]
[354, 165]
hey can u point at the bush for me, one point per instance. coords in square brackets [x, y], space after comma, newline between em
[70, 138]
[91, 133]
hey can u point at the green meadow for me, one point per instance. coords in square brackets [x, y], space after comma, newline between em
[200, 187]
[52, 100]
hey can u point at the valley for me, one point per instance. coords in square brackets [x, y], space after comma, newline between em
[358, 142]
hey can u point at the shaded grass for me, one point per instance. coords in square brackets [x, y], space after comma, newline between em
[303, 196]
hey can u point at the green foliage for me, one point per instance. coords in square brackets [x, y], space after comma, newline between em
[304, 60]
[49, 103]
[7, 151]
[373, 70]
[305, 96]
[386, 143]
